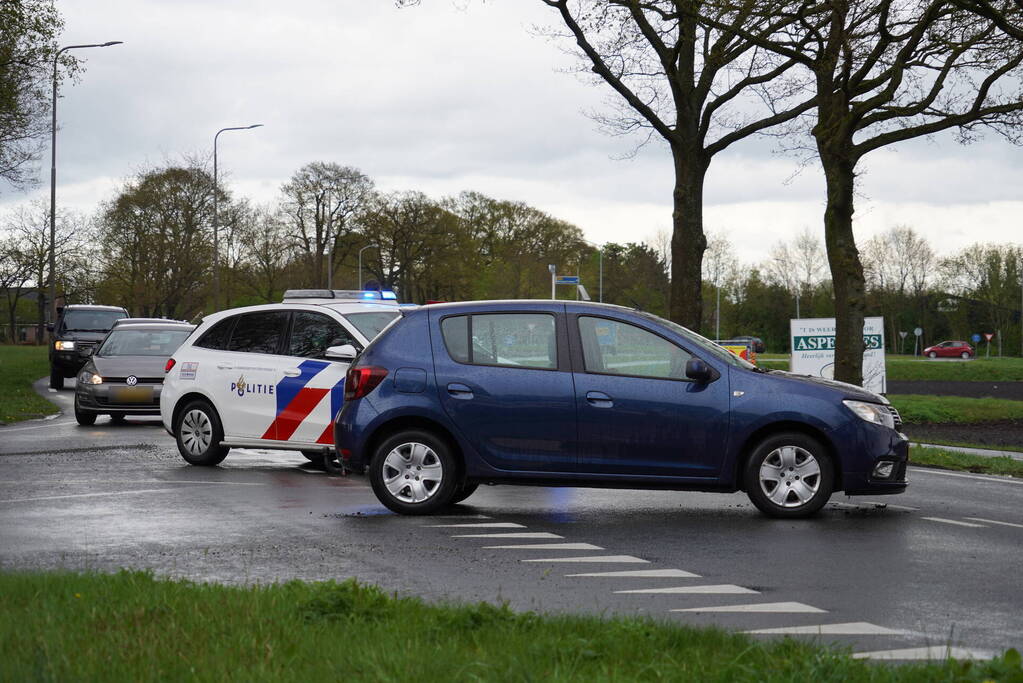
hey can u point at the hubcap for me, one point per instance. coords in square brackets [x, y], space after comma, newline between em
[412, 472]
[790, 476]
[196, 432]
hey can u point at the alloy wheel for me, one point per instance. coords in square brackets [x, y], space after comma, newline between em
[412, 472]
[790, 476]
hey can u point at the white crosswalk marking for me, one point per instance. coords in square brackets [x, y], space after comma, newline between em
[992, 521]
[643, 574]
[856, 628]
[954, 522]
[478, 525]
[621, 559]
[513, 534]
[723, 589]
[932, 652]
[763, 607]
[546, 546]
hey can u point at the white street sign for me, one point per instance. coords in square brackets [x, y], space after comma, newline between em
[813, 350]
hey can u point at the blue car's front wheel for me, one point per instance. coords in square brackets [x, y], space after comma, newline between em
[789, 475]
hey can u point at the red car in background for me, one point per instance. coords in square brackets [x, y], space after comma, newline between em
[949, 349]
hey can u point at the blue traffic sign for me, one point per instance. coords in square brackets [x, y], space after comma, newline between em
[975, 338]
[566, 279]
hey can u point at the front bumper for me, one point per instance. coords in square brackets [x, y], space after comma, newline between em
[111, 397]
[866, 447]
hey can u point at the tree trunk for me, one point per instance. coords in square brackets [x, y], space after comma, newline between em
[687, 240]
[844, 259]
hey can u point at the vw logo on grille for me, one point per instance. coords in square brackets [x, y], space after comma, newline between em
[132, 380]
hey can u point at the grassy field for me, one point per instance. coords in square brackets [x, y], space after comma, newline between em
[910, 368]
[129, 626]
[917, 409]
[950, 460]
[19, 367]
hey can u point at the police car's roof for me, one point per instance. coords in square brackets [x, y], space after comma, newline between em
[341, 306]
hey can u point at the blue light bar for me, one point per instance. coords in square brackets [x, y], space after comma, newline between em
[388, 294]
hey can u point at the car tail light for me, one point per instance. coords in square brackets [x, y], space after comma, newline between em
[359, 381]
[170, 364]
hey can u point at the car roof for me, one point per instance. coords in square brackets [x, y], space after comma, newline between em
[539, 304]
[93, 307]
[345, 306]
[169, 325]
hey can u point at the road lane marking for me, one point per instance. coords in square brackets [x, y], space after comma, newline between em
[460, 517]
[953, 521]
[644, 574]
[719, 589]
[1000, 480]
[932, 652]
[856, 628]
[483, 525]
[52, 391]
[514, 534]
[621, 559]
[90, 495]
[546, 546]
[765, 607]
[992, 521]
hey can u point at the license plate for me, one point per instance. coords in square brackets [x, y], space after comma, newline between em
[131, 394]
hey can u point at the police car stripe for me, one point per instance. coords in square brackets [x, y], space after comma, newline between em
[291, 390]
[337, 396]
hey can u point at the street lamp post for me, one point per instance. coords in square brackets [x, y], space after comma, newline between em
[216, 231]
[53, 173]
[358, 285]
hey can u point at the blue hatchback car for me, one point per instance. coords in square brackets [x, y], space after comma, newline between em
[582, 394]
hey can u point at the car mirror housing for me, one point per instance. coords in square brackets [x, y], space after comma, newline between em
[346, 353]
[699, 371]
[49, 327]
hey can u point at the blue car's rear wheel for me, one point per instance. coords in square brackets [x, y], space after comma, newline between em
[789, 475]
[414, 473]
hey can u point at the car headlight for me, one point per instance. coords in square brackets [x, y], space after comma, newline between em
[89, 378]
[64, 345]
[872, 412]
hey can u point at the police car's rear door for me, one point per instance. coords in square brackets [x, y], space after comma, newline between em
[310, 388]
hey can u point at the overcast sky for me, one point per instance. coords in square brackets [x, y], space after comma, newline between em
[453, 95]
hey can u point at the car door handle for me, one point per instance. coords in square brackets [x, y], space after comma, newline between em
[598, 399]
[292, 372]
[459, 391]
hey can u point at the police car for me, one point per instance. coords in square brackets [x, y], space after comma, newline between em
[269, 376]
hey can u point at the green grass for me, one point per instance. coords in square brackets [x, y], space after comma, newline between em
[19, 367]
[916, 409]
[132, 627]
[950, 460]
[910, 368]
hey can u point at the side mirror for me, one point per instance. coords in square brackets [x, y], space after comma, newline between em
[699, 371]
[345, 353]
[49, 327]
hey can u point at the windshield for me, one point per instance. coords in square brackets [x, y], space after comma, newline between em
[93, 321]
[125, 342]
[372, 323]
[703, 343]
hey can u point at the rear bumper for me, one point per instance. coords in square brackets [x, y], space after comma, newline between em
[102, 398]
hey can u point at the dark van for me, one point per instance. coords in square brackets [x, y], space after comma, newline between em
[79, 329]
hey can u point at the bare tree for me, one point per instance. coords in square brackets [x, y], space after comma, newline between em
[15, 275]
[695, 86]
[321, 202]
[886, 71]
[263, 257]
[798, 265]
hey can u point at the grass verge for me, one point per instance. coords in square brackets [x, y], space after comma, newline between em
[951, 460]
[917, 409]
[19, 367]
[910, 368]
[130, 626]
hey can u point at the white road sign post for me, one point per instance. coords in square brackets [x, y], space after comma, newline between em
[813, 350]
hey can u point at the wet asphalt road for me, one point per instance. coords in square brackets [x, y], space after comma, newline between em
[940, 565]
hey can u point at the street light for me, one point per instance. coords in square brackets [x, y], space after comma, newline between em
[216, 242]
[53, 173]
[358, 285]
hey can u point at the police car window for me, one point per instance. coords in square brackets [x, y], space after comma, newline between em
[259, 332]
[617, 348]
[456, 337]
[371, 324]
[515, 339]
[217, 336]
[313, 333]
